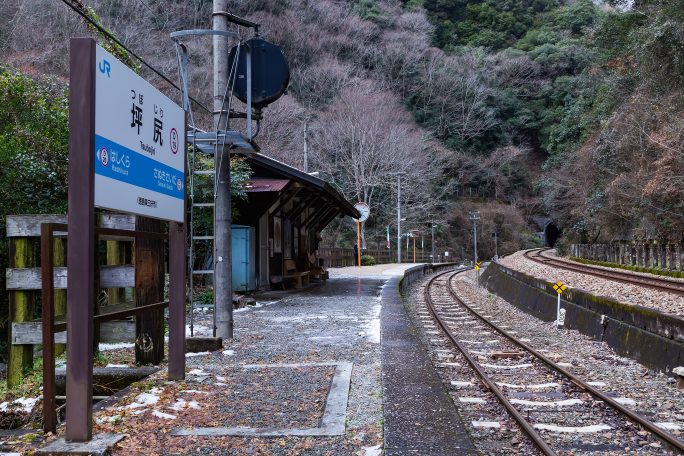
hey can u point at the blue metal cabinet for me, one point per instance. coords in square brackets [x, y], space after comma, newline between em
[244, 261]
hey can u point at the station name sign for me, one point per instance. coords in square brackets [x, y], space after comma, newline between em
[139, 144]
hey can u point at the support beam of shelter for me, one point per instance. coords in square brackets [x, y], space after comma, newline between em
[326, 220]
[290, 193]
[298, 208]
[326, 211]
[308, 221]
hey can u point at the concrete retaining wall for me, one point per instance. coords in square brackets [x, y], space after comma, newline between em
[420, 271]
[649, 336]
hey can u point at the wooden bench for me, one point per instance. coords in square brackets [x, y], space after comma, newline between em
[290, 273]
[315, 270]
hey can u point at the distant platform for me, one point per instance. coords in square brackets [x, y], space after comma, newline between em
[379, 270]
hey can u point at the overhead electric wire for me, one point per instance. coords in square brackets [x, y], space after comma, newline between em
[119, 43]
[146, 6]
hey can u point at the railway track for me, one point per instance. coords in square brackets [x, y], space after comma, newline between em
[657, 283]
[546, 401]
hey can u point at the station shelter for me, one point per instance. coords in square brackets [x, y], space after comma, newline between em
[277, 231]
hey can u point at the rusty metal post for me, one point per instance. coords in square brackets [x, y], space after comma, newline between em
[178, 269]
[177, 278]
[48, 314]
[81, 244]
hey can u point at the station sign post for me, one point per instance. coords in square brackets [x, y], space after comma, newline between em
[126, 153]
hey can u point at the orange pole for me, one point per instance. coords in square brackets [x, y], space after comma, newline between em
[414, 249]
[358, 241]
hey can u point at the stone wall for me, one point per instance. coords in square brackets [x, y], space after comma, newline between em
[645, 254]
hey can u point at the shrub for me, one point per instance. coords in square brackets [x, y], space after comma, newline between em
[205, 296]
[367, 260]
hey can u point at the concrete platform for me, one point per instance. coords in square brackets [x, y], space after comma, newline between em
[302, 376]
[98, 446]
[420, 417]
[321, 371]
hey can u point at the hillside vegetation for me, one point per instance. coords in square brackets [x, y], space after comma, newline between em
[515, 108]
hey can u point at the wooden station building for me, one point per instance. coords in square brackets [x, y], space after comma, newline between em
[285, 211]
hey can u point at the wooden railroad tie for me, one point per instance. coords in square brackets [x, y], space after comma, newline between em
[507, 354]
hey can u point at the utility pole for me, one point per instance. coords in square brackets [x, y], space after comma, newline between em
[475, 216]
[223, 284]
[306, 146]
[399, 216]
[432, 231]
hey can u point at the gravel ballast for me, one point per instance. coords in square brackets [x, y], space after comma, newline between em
[623, 292]
[651, 394]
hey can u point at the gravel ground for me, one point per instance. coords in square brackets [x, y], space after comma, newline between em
[274, 404]
[620, 291]
[337, 322]
[653, 393]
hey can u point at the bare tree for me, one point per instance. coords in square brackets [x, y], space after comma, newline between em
[363, 140]
[453, 91]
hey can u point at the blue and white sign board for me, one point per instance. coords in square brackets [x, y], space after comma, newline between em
[139, 144]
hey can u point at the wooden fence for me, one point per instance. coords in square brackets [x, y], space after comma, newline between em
[645, 254]
[23, 278]
[337, 257]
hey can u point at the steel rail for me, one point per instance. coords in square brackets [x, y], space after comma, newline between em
[658, 283]
[650, 426]
[489, 384]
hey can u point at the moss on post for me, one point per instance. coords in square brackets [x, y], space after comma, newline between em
[115, 256]
[60, 297]
[22, 255]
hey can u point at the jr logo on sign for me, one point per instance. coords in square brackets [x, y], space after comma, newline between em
[105, 67]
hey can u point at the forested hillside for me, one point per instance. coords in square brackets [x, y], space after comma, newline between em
[596, 99]
[515, 108]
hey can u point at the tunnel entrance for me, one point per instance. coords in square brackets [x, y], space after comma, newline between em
[551, 234]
